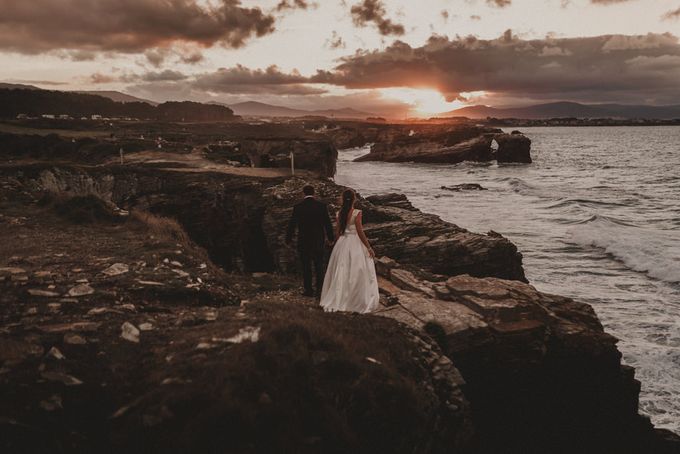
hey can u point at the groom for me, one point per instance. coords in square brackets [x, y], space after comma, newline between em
[311, 219]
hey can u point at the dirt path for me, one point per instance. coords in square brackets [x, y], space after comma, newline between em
[195, 162]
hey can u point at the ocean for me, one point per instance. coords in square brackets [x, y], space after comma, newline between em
[597, 219]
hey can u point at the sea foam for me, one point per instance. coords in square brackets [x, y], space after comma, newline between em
[652, 251]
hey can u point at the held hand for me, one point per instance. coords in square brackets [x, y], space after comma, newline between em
[371, 253]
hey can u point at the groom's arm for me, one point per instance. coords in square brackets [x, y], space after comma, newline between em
[292, 224]
[327, 224]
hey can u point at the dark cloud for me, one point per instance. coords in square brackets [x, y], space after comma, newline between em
[476, 17]
[373, 11]
[444, 14]
[293, 4]
[38, 26]
[157, 57]
[335, 41]
[99, 78]
[675, 14]
[151, 76]
[167, 75]
[642, 68]
[499, 3]
[238, 80]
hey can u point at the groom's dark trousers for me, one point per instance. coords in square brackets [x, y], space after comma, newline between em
[310, 218]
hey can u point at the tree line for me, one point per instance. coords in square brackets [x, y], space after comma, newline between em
[14, 102]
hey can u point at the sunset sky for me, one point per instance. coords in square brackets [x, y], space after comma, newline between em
[387, 57]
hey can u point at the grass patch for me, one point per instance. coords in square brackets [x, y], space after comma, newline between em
[170, 230]
[80, 209]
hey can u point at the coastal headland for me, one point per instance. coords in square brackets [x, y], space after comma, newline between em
[148, 303]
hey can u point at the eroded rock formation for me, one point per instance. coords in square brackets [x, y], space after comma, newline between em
[515, 147]
[241, 221]
[443, 144]
[540, 372]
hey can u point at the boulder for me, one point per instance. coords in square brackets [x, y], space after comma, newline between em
[515, 147]
[464, 187]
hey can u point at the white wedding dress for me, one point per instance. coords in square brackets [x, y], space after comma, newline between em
[350, 284]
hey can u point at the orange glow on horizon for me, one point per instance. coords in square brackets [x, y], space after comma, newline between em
[424, 102]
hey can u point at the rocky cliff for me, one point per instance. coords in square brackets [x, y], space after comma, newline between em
[451, 145]
[124, 332]
[428, 142]
[540, 373]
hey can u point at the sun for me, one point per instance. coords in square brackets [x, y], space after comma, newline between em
[423, 102]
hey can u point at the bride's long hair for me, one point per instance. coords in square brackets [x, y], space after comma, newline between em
[348, 198]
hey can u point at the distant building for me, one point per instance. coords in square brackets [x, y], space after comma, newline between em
[64, 117]
[50, 116]
[96, 117]
[22, 117]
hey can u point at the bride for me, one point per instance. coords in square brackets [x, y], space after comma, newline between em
[350, 284]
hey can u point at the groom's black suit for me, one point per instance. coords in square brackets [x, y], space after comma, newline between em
[311, 219]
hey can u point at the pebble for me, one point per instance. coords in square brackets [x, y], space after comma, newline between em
[55, 353]
[45, 293]
[74, 339]
[99, 310]
[12, 270]
[181, 273]
[205, 346]
[51, 404]
[150, 283]
[249, 333]
[68, 300]
[116, 269]
[81, 290]
[129, 332]
[146, 326]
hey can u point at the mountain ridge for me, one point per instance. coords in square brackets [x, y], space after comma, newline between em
[569, 109]
[260, 109]
[117, 96]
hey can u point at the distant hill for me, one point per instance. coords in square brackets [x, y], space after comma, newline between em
[46, 102]
[569, 109]
[4, 85]
[116, 96]
[259, 109]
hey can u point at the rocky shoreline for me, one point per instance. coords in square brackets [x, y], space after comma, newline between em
[152, 306]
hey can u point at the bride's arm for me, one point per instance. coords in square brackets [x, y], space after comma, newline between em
[337, 226]
[362, 235]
